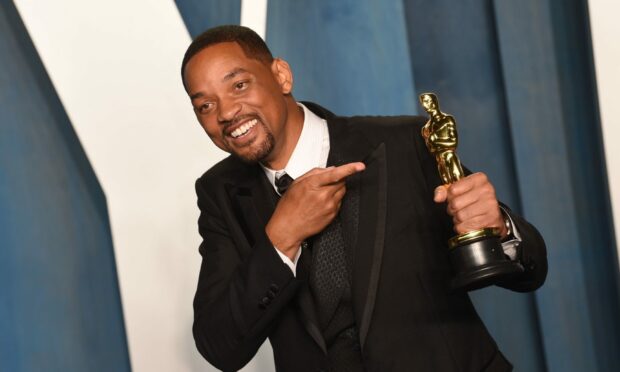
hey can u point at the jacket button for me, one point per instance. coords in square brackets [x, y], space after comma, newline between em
[274, 288]
[264, 302]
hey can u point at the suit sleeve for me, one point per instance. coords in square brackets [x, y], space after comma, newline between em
[240, 292]
[532, 254]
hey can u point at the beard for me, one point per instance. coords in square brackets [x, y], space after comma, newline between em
[259, 151]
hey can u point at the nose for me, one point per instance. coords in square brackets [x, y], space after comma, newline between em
[228, 110]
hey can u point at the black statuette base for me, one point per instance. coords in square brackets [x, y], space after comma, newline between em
[481, 263]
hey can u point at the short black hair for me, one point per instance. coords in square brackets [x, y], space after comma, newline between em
[253, 45]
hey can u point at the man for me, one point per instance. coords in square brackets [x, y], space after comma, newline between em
[345, 268]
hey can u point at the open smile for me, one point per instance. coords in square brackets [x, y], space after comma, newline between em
[243, 129]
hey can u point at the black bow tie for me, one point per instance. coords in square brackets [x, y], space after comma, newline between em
[283, 182]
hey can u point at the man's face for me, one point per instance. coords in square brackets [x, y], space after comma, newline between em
[239, 101]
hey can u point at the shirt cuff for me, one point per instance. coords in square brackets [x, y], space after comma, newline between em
[514, 239]
[292, 264]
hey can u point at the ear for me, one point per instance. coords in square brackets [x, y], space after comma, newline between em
[283, 74]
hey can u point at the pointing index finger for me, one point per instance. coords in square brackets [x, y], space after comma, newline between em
[312, 172]
[338, 174]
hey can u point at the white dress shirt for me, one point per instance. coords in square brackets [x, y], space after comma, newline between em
[312, 150]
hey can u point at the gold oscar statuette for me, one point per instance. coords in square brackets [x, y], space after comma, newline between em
[477, 256]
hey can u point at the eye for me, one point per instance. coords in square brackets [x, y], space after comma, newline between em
[241, 85]
[204, 108]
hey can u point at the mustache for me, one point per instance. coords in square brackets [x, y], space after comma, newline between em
[237, 119]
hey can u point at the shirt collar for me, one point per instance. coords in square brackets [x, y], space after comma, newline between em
[307, 152]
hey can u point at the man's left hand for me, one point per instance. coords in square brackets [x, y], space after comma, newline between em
[472, 204]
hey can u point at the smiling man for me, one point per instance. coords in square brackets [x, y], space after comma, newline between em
[254, 109]
[328, 234]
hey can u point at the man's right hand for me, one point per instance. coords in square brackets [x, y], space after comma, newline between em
[308, 206]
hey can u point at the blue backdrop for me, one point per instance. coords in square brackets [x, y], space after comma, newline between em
[60, 307]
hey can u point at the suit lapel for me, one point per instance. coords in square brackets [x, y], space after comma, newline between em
[255, 200]
[342, 153]
[308, 312]
[371, 239]
[363, 214]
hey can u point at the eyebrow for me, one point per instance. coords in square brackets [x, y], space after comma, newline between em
[196, 95]
[233, 73]
[228, 76]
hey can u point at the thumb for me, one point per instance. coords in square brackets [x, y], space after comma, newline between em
[441, 194]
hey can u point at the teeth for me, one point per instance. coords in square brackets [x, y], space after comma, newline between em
[243, 129]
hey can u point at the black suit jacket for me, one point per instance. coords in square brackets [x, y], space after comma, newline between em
[407, 317]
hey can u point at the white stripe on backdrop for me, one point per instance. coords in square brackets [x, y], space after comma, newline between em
[115, 66]
[605, 34]
[254, 15]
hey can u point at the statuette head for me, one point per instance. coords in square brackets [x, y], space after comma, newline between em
[429, 102]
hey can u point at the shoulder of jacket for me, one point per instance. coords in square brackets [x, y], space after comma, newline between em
[224, 170]
[379, 129]
[386, 123]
